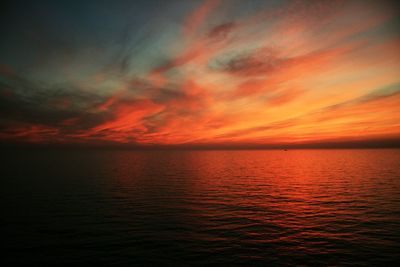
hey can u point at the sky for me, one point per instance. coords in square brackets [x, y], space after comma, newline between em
[201, 73]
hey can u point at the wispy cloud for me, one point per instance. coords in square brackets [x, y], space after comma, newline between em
[203, 72]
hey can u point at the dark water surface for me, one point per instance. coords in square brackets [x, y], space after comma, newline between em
[185, 208]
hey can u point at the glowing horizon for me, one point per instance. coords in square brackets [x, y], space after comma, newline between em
[201, 72]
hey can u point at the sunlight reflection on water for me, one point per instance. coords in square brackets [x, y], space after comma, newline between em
[312, 207]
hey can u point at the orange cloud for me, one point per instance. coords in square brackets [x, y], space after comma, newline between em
[301, 72]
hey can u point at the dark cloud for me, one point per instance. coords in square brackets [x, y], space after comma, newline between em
[34, 103]
[67, 111]
[256, 62]
[222, 31]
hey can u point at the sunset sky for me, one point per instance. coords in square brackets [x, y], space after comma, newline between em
[228, 72]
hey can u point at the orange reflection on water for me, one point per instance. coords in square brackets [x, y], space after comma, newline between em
[313, 207]
[308, 197]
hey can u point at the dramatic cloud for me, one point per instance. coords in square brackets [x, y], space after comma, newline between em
[200, 72]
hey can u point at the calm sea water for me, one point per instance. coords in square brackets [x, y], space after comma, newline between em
[185, 208]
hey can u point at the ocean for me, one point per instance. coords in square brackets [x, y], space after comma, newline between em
[198, 208]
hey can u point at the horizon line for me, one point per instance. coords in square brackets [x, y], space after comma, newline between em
[360, 144]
